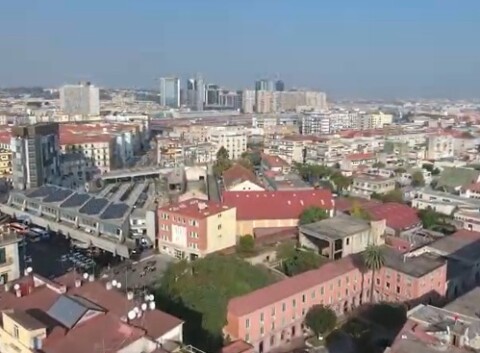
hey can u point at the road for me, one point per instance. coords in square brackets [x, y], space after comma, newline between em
[212, 186]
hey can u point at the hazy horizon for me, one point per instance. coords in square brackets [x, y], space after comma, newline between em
[350, 49]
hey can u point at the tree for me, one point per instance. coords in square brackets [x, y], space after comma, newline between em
[254, 157]
[246, 244]
[400, 170]
[378, 165]
[417, 179]
[358, 212]
[429, 218]
[392, 196]
[321, 320]
[436, 171]
[295, 261]
[374, 260]
[245, 162]
[341, 181]
[222, 163]
[428, 167]
[199, 291]
[312, 214]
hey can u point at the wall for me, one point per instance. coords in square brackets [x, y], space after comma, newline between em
[225, 237]
[246, 185]
[246, 227]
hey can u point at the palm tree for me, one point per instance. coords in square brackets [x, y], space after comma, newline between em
[374, 260]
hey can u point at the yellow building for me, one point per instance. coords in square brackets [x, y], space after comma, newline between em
[21, 332]
[9, 256]
[5, 163]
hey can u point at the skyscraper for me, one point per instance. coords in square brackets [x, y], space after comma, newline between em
[196, 93]
[170, 92]
[279, 86]
[80, 99]
[264, 85]
[36, 152]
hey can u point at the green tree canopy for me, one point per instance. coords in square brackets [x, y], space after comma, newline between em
[312, 214]
[341, 181]
[321, 320]
[429, 218]
[295, 261]
[427, 167]
[222, 163]
[358, 212]
[378, 165]
[374, 260]
[222, 154]
[254, 157]
[392, 196]
[400, 170]
[436, 171]
[205, 286]
[246, 244]
[418, 179]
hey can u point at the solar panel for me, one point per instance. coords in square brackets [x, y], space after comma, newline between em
[114, 211]
[42, 191]
[93, 206]
[67, 311]
[58, 195]
[76, 200]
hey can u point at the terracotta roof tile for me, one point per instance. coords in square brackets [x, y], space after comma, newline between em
[255, 205]
[398, 216]
[237, 174]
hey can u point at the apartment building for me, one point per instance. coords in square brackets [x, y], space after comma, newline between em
[269, 101]
[80, 99]
[79, 315]
[272, 316]
[364, 185]
[275, 164]
[9, 255]
[97, 149]
[440, 146]
[371, 121]
[233, 139]
[443, 202]
[353, 161]
[195, 228]
[36, 155]
[5, 163]
[291, 148]
[248, 101]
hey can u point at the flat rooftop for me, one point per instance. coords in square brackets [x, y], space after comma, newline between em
[334, 228]
[415, 266]
[467, 304]
[195, 208]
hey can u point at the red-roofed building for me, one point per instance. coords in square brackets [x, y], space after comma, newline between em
[239, 178]
[271, 316]
[195, 228]
[351, 162]
[271, 209]
[401, 219]
[65, 315]
[275, 164]
[238, 346]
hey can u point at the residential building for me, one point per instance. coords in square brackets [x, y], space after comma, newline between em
[70, 314]
[341, 235]
[36, 155]
[238, 346]
[440, 146]
[254, 208]
[80, 99]
[275, 164]
[353, 161]
[431, 329]
[264, 85]
[5, 163]
[401, 220]
[233, 139]
[248, 101]
[469, 220]
[371, 121]
[271, 316]
[170, 92]
[239, 178]
[443, 202]
[195, 228]
[9, 255]
[471, 191]
[265, 102]
[364, 185]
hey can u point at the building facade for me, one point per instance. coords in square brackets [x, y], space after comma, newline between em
[9, 255]
[80, 99]
[36, 155]
[233, 139]
[195, 228]
[170, 92]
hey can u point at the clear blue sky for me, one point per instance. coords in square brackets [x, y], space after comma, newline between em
[356, 48]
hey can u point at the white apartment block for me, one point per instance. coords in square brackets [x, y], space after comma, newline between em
[248, 102]
[440, 146]
[98, 152]
[234, 139]
[272, 102]
[80, 99]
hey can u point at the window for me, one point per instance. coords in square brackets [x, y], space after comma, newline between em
[321, 291]
[303, 298]
[247, 323]
[261, 317]
[284, 307]
[247, 337]
[3, 257]
[15, 331]
[273, 311]
[313, 294]
[339, 283]
[294, 303]
[398, 289]
[378, 281]
[387, 284]
[273, 325]
[348, 241]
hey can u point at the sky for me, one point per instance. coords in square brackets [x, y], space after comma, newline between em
[348, 48]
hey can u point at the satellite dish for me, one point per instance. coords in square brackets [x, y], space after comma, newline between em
[152, 305]
[147, 298]
[16, 286]
[144, 306]
[152, 297]
[136, 309]
[114, 283]
[85, 275]
[131, 315]
[29, 270]
[119, 285]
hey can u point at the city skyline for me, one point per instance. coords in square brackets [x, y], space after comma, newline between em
[367, 50]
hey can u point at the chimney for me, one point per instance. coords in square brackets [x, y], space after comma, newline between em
[130, 295]
[78, 283]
